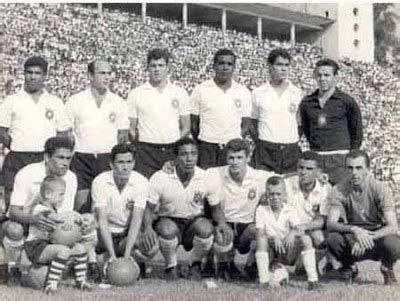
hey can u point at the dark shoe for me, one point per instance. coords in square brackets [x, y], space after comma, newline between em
[222, 271]
[195, 271]
[208, 270]
[228, 271]
[299, 269]
[324, 266]
[349, 273]
[389, 277]
[94, 274]
[314, 286]
[14, 277]
[251, 271]
[171, 273]
[234, 272]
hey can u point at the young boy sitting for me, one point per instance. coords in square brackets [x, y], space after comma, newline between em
[39, 248]
[278, 239]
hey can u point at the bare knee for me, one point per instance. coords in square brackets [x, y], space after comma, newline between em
[306, 242]
[203, 228]
[78, 249]
[167, 228]
[219, 239]
[13, 230]
[317, 238]
[63, 251]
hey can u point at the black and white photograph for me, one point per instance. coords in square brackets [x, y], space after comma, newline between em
[198, 150]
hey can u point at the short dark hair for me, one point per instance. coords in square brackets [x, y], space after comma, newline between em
[278, 52]
[158, 53]
[310, 156]
[36, 61]
[328, 62]
[221, 52]
[237, 145]
[122, 148]
[357, 153]
[184, 141]
[54, 143]
[275, 180]
[49, 180]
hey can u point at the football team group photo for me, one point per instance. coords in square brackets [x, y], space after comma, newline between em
[145, 158]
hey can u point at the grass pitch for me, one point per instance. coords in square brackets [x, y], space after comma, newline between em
[368, 287]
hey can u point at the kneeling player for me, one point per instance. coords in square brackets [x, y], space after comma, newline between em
[40, 250]
[178, 200]
[278, 239]
[120, 197]
[307, 194]
[240, 189]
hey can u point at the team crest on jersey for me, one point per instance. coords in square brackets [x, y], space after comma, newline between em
[252, 193]
[129, 204]
[238, 103]
[315, 208]
[322, 120]
[112, 117]
[175, 103]
[197, 198]
[49, 114]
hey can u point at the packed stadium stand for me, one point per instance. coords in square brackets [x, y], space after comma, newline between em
[71, 35]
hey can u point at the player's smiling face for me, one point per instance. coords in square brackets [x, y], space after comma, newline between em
[122, 165]
[307, 171]
[237, 162]
[186, 159]
[34, 79]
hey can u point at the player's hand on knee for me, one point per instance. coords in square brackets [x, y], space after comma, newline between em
[226, 232]
[289, 241]
[357, 250]
[278, 246]
[149, 239]
[364, 237]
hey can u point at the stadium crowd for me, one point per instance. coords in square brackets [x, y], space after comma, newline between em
[70, 36]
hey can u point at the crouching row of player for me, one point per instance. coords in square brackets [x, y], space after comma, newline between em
[284, 217]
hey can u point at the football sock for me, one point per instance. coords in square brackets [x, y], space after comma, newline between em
[168, 248]
[80, 267]
[262, 259]
[201, 246]
[310, 264]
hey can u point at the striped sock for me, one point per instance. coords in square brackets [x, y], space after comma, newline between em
[80, 267]
[57, 266]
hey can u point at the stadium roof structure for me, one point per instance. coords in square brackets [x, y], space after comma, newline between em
[275, 13]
